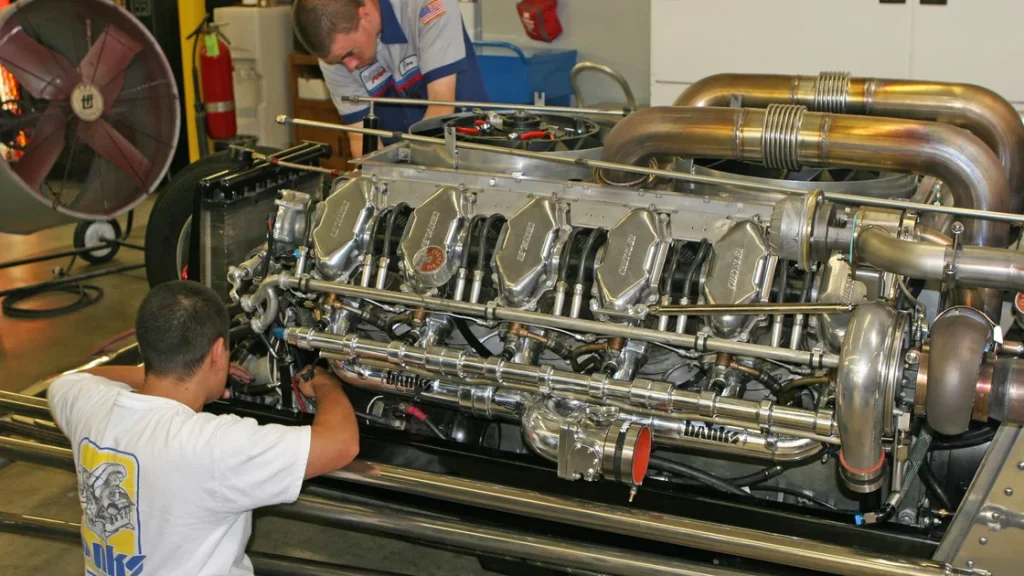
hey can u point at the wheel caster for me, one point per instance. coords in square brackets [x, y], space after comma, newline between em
[96, 233]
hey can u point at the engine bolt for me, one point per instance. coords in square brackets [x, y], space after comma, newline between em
[1008, 491]
[957, 228]
[1020, 465]
[913, 357]
[995, 516]
[970, 563]
[983, 540]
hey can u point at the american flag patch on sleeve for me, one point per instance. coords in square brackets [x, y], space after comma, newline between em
[432, 11]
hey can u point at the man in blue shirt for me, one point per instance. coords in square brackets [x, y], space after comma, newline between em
[396, 48]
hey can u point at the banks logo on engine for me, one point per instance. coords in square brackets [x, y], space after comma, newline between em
[339, 220]
[627, 253]
[737, 266]
[713, 434]
[108, 489]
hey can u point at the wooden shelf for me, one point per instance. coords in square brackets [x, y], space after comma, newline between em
[307, 66]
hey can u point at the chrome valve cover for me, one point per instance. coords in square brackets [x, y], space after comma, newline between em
[527, 259]
[737, 274]
[633, 259]
[342, 227]
[432, 244]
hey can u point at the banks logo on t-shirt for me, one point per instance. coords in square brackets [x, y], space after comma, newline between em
[108, 488]
[432, 11]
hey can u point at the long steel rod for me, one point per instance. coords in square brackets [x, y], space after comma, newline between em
[750, 309]
[37, 453]
[24, 405]
[743, 542]
[263, 564]
[489, 312]
[697, 178]
[478, 538]
[487, 105]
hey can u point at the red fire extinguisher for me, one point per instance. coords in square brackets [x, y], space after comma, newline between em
[217, 81]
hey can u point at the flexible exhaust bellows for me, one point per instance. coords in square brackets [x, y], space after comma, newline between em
[981, 111]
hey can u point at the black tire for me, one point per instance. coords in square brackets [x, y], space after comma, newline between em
[90, 232]
[173, 209]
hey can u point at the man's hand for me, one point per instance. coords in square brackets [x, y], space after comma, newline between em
[312, 377]
[240, 374]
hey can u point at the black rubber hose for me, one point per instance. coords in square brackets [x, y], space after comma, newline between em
[87, 295]
[669, 278]
[968, 439]
[702, 254]
[480, 257]
[763, 475]
[592, 244]
[563, 267]
[798, 494]
[471, 339]
[934, 488]
[473, 223]
[375, 419]
[783, 280]
[701, 476]
[391, 226]
[435, 429]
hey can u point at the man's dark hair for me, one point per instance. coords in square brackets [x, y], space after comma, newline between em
[317, 21]
[178, 323]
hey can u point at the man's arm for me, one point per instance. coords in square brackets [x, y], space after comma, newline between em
[130, 375]
[334, 438]
[441, 89]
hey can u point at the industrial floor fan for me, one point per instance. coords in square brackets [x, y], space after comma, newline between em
[89, 123]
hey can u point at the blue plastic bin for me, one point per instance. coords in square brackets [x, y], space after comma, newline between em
[512, 74]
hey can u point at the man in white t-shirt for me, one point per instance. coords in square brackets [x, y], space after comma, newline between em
[165, 488]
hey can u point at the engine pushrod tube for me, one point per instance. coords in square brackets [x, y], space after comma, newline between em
[661, 527]
[640, 392]
[850, 199]
[24, 405]
[488, 105]
[37, 453]
[750, 309]
[491, 312]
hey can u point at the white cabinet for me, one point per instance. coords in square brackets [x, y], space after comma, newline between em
[973, 41]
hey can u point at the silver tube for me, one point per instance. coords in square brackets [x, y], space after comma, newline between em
[382, 272]
[577, 301]
[640, 393]
[449, 532]
[460, 285]
[663, 318]
[489, 312]
[851, 199]
[478, 282]
[37, 453]
[975, 266]
[657, 526]
[367, 275]
[24, 405]
[797, 337]
[607, 71]
[485, 105]
[559, 305]
[861, 385]
[727, 439]
[959, 338]
[751, 309]
[681, 319]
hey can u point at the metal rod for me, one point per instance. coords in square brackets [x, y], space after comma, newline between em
[749, 309]
[661, 527]
[478, 538]
[37, 453]
[127, 245]
[263, 564]
[73, 279]
[293, 165]
[491, 312]
[697, 178]
[25, 405]
[488, 105]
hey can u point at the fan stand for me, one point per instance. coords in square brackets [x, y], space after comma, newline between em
[95, 250]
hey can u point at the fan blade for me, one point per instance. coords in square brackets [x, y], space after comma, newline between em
[43, 149]
[108, 58]
[109, 143]
[44, 73]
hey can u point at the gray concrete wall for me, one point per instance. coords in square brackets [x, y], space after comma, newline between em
[612, 32]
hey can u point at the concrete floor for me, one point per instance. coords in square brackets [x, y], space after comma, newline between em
[34, 349]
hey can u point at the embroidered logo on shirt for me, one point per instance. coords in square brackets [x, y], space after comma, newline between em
[432, 11]
[108, 489]
[374, 77]
[408, 65]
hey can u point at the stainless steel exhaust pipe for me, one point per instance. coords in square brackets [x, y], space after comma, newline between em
[981, 111]
[790, 137]
[871, 367]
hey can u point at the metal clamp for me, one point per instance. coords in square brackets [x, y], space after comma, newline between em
[950, 268]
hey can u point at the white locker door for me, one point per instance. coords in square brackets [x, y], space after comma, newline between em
[691, 39]
[972, 41]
